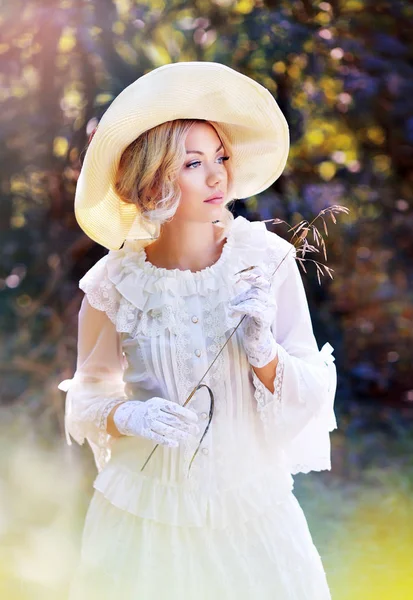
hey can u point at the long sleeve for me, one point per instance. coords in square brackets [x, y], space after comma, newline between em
[97, 385]
[299, 414]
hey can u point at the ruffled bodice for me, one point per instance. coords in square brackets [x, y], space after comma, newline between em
[170, 325]
[140, 297]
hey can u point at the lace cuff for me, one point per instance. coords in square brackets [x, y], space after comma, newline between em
[262, 394]
[86, 417]
[102, 450]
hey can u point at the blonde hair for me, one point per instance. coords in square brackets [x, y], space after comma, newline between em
[149, 166]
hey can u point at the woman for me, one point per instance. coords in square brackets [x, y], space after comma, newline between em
[188, 506]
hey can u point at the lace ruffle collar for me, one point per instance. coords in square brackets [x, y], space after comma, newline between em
[240, 231]
[141, 261]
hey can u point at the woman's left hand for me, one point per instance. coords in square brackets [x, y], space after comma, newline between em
[260, 309]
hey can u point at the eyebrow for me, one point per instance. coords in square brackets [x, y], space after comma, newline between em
[198, 152]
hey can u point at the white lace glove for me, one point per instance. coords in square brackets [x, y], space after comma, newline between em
[157, 419]
[260, 308]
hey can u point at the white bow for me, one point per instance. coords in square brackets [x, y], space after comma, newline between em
[326, 353]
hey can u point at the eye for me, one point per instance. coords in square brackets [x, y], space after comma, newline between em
[198, 162]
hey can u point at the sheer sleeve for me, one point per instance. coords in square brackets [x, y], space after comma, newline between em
[97, 385]
[299, 413]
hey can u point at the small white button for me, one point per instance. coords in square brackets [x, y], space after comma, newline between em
[205, 450]
[198, 352]
[194, 319]
[204, 415]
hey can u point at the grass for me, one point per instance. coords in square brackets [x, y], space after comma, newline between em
[363, 527]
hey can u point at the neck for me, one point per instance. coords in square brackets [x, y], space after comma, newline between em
[186, 245]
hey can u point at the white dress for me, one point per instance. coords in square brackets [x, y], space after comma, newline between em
[230, 528]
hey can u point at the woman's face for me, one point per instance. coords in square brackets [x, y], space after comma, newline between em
[202, 175]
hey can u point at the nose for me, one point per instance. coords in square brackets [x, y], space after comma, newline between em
[216, 175]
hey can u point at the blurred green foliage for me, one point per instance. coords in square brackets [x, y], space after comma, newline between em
[342, 72]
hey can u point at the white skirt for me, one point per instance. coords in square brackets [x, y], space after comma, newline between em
[269, 557]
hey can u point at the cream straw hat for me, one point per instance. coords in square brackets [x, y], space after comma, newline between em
[236, 105]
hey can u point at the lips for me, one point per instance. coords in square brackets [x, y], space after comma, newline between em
[215, 197]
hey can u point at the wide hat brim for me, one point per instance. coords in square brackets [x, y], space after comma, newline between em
[235, 104]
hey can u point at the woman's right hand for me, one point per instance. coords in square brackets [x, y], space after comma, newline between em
[157, 419]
